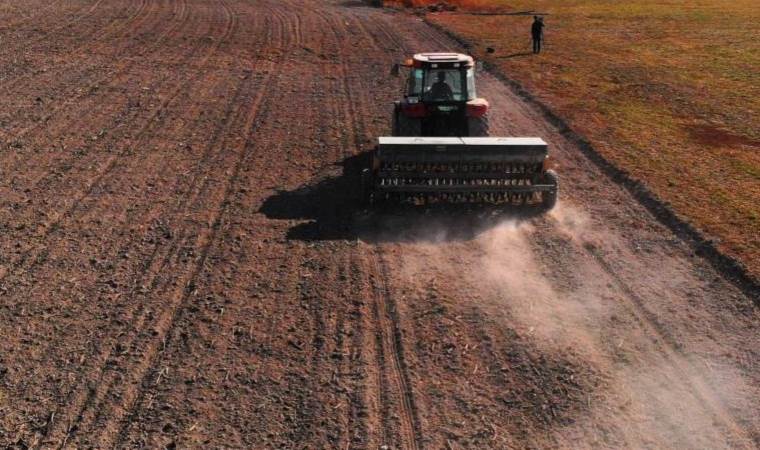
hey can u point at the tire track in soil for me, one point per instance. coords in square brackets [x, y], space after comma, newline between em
[70, 87]
[389, 353]
[95, 38]
[181, 320]
[310, 407]
[340, 106]
[149, 276]
[66, 164]
[297, 26]
[349, 108]
[83, 160]
[75, 94]
[352, 143]
[399, 47]
[429, 34]
[657, 335]
[352, 112]
[668, 347]
[358, 411]
[346, 355]
[55, 225]
[393, 375]
[349, 355]
[40, 12]
[69, 23]
[181, 297]
[205, 241]
[150, 265]
[387, 326]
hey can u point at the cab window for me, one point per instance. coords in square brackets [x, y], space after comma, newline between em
[415, 83]
[443, 85]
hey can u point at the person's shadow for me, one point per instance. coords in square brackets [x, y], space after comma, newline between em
[331, 208]
[516, 55]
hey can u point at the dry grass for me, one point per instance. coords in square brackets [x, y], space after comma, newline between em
[667, 90]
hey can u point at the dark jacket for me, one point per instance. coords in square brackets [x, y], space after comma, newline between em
[537, 30]
[440, 90]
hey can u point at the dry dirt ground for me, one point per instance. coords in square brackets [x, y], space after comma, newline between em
[183, 264]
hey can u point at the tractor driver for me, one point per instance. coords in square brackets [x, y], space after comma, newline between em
[440, 90]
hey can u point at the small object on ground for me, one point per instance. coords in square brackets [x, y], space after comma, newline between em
[441, 152]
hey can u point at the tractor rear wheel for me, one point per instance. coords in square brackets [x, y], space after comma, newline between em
[478, 126]
[405, 126]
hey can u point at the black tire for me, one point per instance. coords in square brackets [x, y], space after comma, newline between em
[549, 198]
[478, 126]
[405, 126]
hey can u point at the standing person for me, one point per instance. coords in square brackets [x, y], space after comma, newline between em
[537, 32]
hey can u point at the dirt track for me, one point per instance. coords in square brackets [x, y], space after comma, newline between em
[182, 262]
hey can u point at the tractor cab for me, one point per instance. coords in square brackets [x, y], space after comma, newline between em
[430, 71]
[440, 98]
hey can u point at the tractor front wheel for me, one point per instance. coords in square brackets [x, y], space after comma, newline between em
[405, 126]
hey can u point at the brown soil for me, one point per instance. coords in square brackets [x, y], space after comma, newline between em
[183, 264]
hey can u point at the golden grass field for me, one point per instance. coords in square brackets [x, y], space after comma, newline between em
[669, 91]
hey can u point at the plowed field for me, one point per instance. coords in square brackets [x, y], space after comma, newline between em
[184, 264]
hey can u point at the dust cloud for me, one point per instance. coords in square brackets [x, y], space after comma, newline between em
[570, 221]
[654, 397]
[520, 286]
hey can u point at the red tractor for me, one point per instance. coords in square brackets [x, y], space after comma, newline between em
[440, 151]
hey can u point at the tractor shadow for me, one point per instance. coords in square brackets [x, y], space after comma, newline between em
[331, 208]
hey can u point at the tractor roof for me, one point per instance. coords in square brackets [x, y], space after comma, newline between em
[443, 58]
